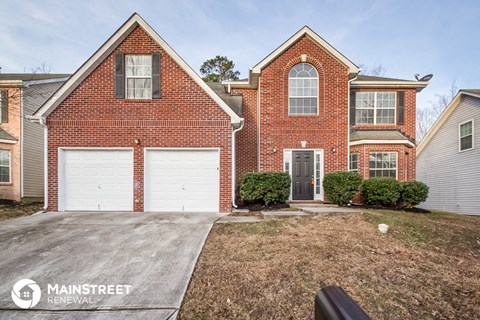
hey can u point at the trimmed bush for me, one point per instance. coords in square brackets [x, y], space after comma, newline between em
[381, 191]
[341, 186]
[265, 187]
[412, 193]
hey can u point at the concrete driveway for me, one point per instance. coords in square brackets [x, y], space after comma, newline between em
[101, 265]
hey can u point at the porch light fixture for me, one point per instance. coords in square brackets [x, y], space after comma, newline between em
[275, 149]
[137, 141]
[304, 144]
[334, 149]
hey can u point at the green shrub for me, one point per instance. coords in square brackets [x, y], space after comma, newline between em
[265, 187]
[341, 186]
[381, 191]
[412, 193]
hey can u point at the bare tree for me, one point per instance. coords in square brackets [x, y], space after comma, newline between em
[426, 116]
[377, 70]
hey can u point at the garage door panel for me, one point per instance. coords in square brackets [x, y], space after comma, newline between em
[98, 180]
[182, 180]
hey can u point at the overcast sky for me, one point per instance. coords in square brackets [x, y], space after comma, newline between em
[407, 37]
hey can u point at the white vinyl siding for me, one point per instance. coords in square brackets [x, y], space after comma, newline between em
[138, 71]
[375, 107]
[452, 176]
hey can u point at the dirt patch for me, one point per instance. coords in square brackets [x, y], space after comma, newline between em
[256, 209]
[12, 209]
[426, 267]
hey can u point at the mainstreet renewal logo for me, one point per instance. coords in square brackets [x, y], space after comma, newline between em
[26, 293]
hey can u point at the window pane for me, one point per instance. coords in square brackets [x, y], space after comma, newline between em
[466, 142]
[4, 174]
[139, 88]
[303, 89]
[383, 164]
[4, 158]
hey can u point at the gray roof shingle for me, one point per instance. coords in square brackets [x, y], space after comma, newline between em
[234, 101]
[4, 135]
[392, 135]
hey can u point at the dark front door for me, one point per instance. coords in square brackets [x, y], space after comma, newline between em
[302, 175]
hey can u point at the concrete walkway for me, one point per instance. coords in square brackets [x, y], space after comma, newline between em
[154, 254]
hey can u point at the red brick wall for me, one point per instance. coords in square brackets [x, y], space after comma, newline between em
[246, 139]
[405, 159]
[185, 116]
[327, 130]
[409, 126]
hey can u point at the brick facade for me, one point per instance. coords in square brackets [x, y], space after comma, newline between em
[185, 116]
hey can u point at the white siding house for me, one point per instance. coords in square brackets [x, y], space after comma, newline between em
[448, 158]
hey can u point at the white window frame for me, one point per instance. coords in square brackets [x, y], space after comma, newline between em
[1, 106]
[9, 167]
[138, 77]
[317, 96]
[375, 109]
[317, 153]
[460, 136]
[350, 162]
[380, 169]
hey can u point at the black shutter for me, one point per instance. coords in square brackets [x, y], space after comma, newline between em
[4, 106]
[352, 108]
[156, 67]
[119, 76]
[400, 107]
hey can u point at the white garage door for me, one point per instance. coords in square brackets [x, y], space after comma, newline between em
[98, 180]
[182, 180]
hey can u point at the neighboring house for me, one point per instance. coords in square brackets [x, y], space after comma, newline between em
[21, 141]
[136, 129]
[448, 158]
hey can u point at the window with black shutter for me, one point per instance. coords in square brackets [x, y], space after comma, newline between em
[4, 106]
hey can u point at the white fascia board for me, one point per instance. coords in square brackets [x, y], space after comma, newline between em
[11, 83]
[74, 80]
[320, 41]
[442, 118]
[360, 142]
[389, 84]
[7, 141]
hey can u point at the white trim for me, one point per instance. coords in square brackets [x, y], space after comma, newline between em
[233, 160]
[442, 118]
[359, 142]
[353, 69]
[9, 182]
[45, 162]
[146, 179]
[288, 154]
[258, 126]
[61, 170]
[88, 67]
[389, 84]
[472, 134]
[8, 141]
[21, 143]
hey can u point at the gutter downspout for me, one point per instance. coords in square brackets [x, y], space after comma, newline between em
[348, 137]
[234, 162]
[45, 161]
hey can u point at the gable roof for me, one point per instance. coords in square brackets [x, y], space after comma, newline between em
[108, 47]
[6, 137]
[353, 69]
[446, 114]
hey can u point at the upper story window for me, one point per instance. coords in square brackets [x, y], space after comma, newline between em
[3, 106]
[138, 76]
[4, 166]
[466, 135]
[375, 107]
[303, 90]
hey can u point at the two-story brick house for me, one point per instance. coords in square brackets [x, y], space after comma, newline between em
[135, 128]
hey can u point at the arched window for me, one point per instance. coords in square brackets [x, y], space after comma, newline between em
[303, 90]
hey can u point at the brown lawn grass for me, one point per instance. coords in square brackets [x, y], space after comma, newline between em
[426, 267]
[10, 209]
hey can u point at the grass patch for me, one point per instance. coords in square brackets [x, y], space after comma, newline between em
[12, 209]
[426, 267]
